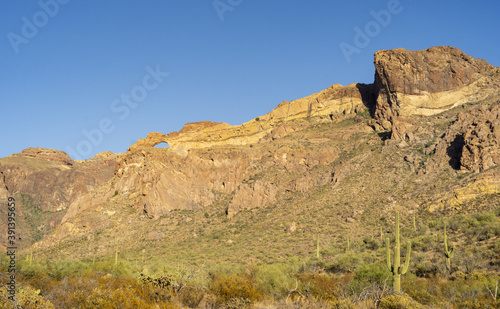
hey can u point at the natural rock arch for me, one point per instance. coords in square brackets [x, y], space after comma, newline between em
[162, 145]
[153, 139]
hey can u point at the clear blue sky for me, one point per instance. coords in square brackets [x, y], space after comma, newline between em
[67, 74]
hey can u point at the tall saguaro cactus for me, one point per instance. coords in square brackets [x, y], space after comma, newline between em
[116, 255]
[397, 270]
[317, 248]
[448, 254]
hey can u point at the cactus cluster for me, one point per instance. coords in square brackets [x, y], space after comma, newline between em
[396, 269]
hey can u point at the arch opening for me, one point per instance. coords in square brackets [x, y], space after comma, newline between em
[162, 145]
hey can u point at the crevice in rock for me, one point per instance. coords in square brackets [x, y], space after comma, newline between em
[454, 151]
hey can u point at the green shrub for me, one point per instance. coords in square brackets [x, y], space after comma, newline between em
[234, 287]
[275, 279]
[191, 296]
[487, 231]
[423, 243]
[322, 285]
[420, 290]
[398, 302]
[426, 270]
[372, 273]
[346, 262]
[27, 297]
[484, 217]
[371, 243]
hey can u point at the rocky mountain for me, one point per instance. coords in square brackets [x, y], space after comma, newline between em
[423, 137]
[45, 183]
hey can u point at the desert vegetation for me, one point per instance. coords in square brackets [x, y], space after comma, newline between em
[456, 268]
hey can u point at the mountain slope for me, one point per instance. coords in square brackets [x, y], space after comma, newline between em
[45, 182]
[422, 139]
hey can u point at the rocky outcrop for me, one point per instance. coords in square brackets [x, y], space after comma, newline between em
[471, 142]
[46, 154]
[156, 181]
[427, 82]
[44, 183]
[333, 104]
[51, 178]
[424, 82]
[481, 148]
[199, 161]
[247, 196]
[464, 199]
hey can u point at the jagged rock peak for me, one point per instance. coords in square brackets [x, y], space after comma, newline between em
[430, 81]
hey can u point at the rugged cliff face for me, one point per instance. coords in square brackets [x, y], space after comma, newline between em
[481, 139]
[46, 181]
[51, 178]
[429, 113]
[427, 82]
[157, 181]
[407, 83]
[206, 156]
[471, 143]
[332, 104]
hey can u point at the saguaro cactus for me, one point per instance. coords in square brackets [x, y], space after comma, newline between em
[116, 255]
[317, 248]
[448, 254]
[397, 270]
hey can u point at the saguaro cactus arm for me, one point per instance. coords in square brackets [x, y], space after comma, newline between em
[447, 253]
[407, 259]
[388, 251]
